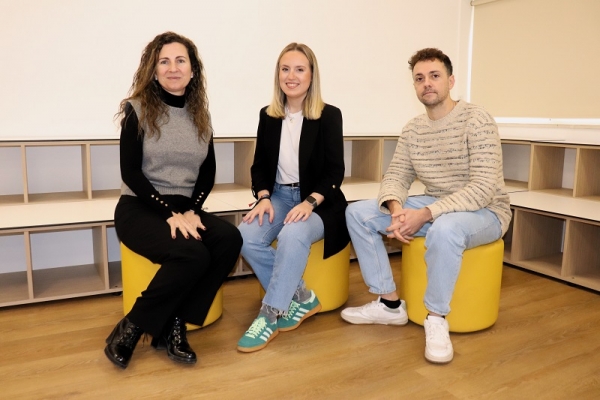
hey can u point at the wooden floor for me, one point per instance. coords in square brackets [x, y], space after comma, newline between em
[545, 345]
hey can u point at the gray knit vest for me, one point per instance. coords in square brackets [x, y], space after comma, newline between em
[172, 162]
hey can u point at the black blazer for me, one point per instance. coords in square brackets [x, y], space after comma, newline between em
[321, 165]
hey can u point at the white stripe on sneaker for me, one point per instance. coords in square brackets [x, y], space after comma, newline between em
[266, 334]
[300, 314]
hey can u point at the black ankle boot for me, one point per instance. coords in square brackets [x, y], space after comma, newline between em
[175, 340]
[121, 342]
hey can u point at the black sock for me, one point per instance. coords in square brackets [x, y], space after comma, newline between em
[390, 303]
[441, 316]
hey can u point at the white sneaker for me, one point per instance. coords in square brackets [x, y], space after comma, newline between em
[376, 312]
[438, 347]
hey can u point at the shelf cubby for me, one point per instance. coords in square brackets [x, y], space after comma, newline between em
[516, 158]
[582, 257]
[587, 175]
[66, 282]
[552, 169]
[14, 287]
[115, 281]
[537, 241]
[389, 148]
[365, 155]
[508, 239]
[12, 178]
[104, 170]
[56, 172]
[233, 176]
[51, 279]
[241, 267]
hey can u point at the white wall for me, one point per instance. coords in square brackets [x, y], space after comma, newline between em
[67, 63]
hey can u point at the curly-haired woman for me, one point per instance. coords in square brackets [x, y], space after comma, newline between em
[168, 169]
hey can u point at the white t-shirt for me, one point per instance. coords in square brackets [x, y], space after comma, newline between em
[288, 166]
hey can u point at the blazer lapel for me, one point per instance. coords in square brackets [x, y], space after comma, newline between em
[274, 141]
[308, 136]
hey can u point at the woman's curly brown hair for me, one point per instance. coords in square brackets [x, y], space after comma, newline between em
[146, 89]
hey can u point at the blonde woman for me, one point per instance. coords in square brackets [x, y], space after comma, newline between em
[296, 176]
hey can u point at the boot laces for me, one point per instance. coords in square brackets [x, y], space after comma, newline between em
[178, 332]
[130, 336]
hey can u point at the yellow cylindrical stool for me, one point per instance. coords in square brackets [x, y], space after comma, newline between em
[476, 299]
[328, 278]
[138, 271]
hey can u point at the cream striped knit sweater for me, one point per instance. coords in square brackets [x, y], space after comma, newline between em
[459, 160]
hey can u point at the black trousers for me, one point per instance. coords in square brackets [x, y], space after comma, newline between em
[191, 272]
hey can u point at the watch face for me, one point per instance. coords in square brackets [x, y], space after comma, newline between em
[312, 201]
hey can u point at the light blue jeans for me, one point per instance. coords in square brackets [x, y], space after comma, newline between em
[280, 270]
[446, 239]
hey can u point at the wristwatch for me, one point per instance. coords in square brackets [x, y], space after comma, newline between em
[312, 201]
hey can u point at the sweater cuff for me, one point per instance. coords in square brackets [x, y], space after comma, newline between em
[436, 211]
[382, 203]
[198, 199]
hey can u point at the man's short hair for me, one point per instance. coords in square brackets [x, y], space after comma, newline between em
[430, 54]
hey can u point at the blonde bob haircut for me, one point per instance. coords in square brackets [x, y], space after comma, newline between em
[313, 104]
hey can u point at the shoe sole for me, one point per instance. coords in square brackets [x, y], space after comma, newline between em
[308, 314]
[438, 360]
[259, 347]
[181, 360]
[361, 321]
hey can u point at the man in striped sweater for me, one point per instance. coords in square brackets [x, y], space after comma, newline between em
[454, 150]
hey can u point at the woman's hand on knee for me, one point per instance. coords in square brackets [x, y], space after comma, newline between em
[299, 213]
[178, 221]
[260, 209]
[194, 220]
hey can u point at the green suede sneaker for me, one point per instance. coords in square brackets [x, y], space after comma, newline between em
[298, 312]
[260, 333]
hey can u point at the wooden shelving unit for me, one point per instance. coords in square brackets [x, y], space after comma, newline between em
[555, 229]
[57, 200]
